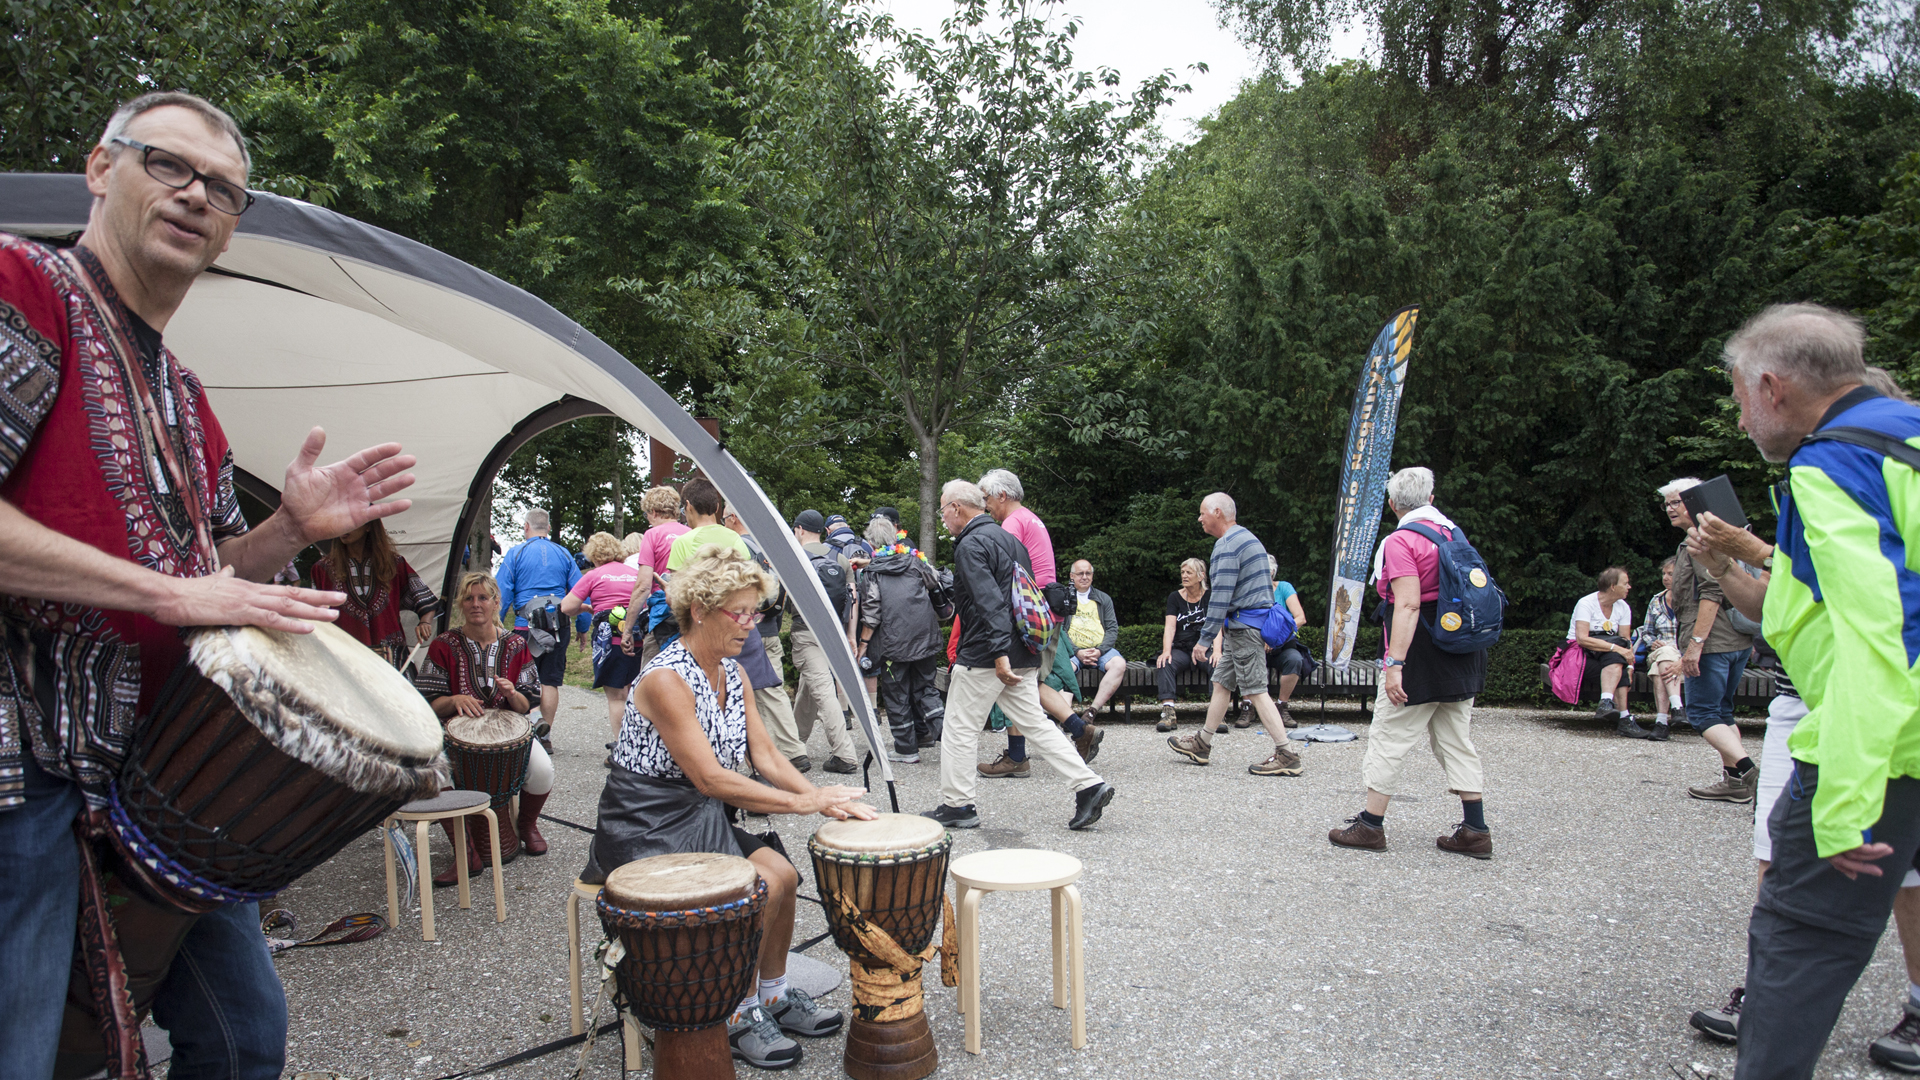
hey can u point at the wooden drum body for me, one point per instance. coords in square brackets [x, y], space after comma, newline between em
[689, 927]
[883, 884]
[266, 753]
[489, 754]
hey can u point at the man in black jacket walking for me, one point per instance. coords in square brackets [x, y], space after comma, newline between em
[995, 666]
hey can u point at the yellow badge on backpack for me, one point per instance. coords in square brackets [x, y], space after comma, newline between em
[1479, 579]
[1451, 620]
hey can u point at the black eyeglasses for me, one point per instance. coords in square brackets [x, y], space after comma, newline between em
[166, 167]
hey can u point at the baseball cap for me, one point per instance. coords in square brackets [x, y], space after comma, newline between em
[811, 521]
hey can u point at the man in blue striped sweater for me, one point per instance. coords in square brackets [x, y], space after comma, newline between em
[1241, 581]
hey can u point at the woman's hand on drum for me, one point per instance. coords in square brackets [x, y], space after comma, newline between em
[839, 802]
[467, 705]
[225, 600]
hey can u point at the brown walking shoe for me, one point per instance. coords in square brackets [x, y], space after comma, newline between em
[1467, 841]
[1088, 741]
[1284, 762]
[1286, 716]
[1194, 748]
[1359, 834]
[1243, 716]
[1733, 789]
[1169, 719]
[1007, 767]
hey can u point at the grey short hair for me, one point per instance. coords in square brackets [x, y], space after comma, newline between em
[1820, 347]
[1881, 379]
[1674, 487]
[964, 492]
[538, 521]
[1222, 502]
[1072, 566]
[215, 117]
[1002, 482]
[1411, 488]
[881, 533]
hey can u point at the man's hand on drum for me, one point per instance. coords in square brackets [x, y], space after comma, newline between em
[467, 705]
[839, 802]
[332, 500]
[225, 600]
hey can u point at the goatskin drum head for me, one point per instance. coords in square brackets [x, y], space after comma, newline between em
[887, 833]
[342, 682]
[683, 882]
[495, 727]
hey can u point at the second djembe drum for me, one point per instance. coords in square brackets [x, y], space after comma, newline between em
[689, 927]
[883, 883]
[489, 754]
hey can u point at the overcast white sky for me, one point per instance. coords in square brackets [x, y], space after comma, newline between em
[1140, 38]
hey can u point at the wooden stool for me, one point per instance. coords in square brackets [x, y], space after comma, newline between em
[447, 804]
[629, 1028]
[1022, 870]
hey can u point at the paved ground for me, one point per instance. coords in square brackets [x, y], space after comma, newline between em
[1225, 937]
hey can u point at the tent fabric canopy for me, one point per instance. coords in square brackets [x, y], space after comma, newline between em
[312, 318]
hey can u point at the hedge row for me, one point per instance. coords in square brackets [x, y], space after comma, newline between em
[1513, 665]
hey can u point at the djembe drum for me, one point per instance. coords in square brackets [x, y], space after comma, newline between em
[489, 753]
[689, 927]
[266, 753]
[883, 884]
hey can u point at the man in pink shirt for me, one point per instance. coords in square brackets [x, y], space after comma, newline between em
[662, 507]
[1425, 692]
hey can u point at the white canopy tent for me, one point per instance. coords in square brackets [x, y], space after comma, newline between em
[314, 318]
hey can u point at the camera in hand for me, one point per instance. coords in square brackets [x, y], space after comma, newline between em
[867, 666]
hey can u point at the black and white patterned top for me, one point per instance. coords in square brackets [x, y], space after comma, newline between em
[640, 748]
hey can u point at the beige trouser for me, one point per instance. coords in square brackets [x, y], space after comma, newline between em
[817, 705]
[776, 708]
[1397, 727]
[971, 695]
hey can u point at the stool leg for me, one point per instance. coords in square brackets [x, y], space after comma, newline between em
[577, 1024]
[499, 879]
[460, 857]
[1059, 949]
[1079, 974]
[426, 881]
[959, 905]
[970, 965]
[629, 1042]
[393, 886]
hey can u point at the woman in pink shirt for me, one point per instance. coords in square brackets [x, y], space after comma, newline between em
[662, 507]
[607, 586]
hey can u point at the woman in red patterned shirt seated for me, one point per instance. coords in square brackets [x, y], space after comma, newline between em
[379, 586]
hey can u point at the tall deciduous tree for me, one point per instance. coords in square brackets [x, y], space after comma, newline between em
[936, 203]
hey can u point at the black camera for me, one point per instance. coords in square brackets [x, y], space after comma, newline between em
[867, 665]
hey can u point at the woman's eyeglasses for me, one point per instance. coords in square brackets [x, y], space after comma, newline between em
[743, 618]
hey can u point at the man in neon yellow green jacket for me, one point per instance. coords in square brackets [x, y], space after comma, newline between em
[1843, 612]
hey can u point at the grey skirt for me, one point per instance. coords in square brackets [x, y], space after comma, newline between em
[644, 816]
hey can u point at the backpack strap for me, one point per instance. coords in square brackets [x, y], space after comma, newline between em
[1878, 441]
[1429, 532]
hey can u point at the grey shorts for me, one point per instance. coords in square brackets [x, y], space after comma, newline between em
[1243, 664]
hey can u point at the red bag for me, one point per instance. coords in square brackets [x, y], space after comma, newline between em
[1566, 671]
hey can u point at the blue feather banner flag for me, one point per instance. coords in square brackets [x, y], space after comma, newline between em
[1363, 479]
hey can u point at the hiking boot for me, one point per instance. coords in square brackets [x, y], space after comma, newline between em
[1286, 715]
[1169, 719]
[1359, 834]
[1900, 1048]
[1089, 804]
[1734, 789]
[1194, 748]
[758, 1041]
[1243, 717]
[841, 765]
[1284, 762]
[1606, 711]
[1724, 1023]
[798, 1014]
[1088, 742]
[954, 817]
[1659, 732]
[1678, 714]
[1467, 841]
[926, 740]
[1007, 767]
[1628, 728]
[802, 762]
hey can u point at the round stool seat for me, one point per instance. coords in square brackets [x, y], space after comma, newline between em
[1015, 870]
[446, 802]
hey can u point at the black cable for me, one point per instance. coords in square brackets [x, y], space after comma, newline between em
[812, 941]
[528, 1055]
[564, 821]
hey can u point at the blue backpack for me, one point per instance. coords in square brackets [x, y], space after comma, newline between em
[1274, 623]
[1471, 607]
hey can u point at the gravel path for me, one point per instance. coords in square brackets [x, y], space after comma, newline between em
[1225, 936]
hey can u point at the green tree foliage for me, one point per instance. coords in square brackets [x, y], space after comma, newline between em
[583, 475]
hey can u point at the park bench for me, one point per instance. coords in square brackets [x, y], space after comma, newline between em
[1358, 681]
[1754, 692]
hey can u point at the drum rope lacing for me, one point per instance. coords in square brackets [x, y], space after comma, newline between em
[710, 968]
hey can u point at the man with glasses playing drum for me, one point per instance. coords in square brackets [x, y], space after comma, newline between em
[119, 523]
[689, 727]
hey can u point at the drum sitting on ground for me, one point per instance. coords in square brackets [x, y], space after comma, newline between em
[266, 753]
[883, 884]
[489, 753]
[689, 927]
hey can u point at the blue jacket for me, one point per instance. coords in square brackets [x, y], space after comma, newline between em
[538, 567]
